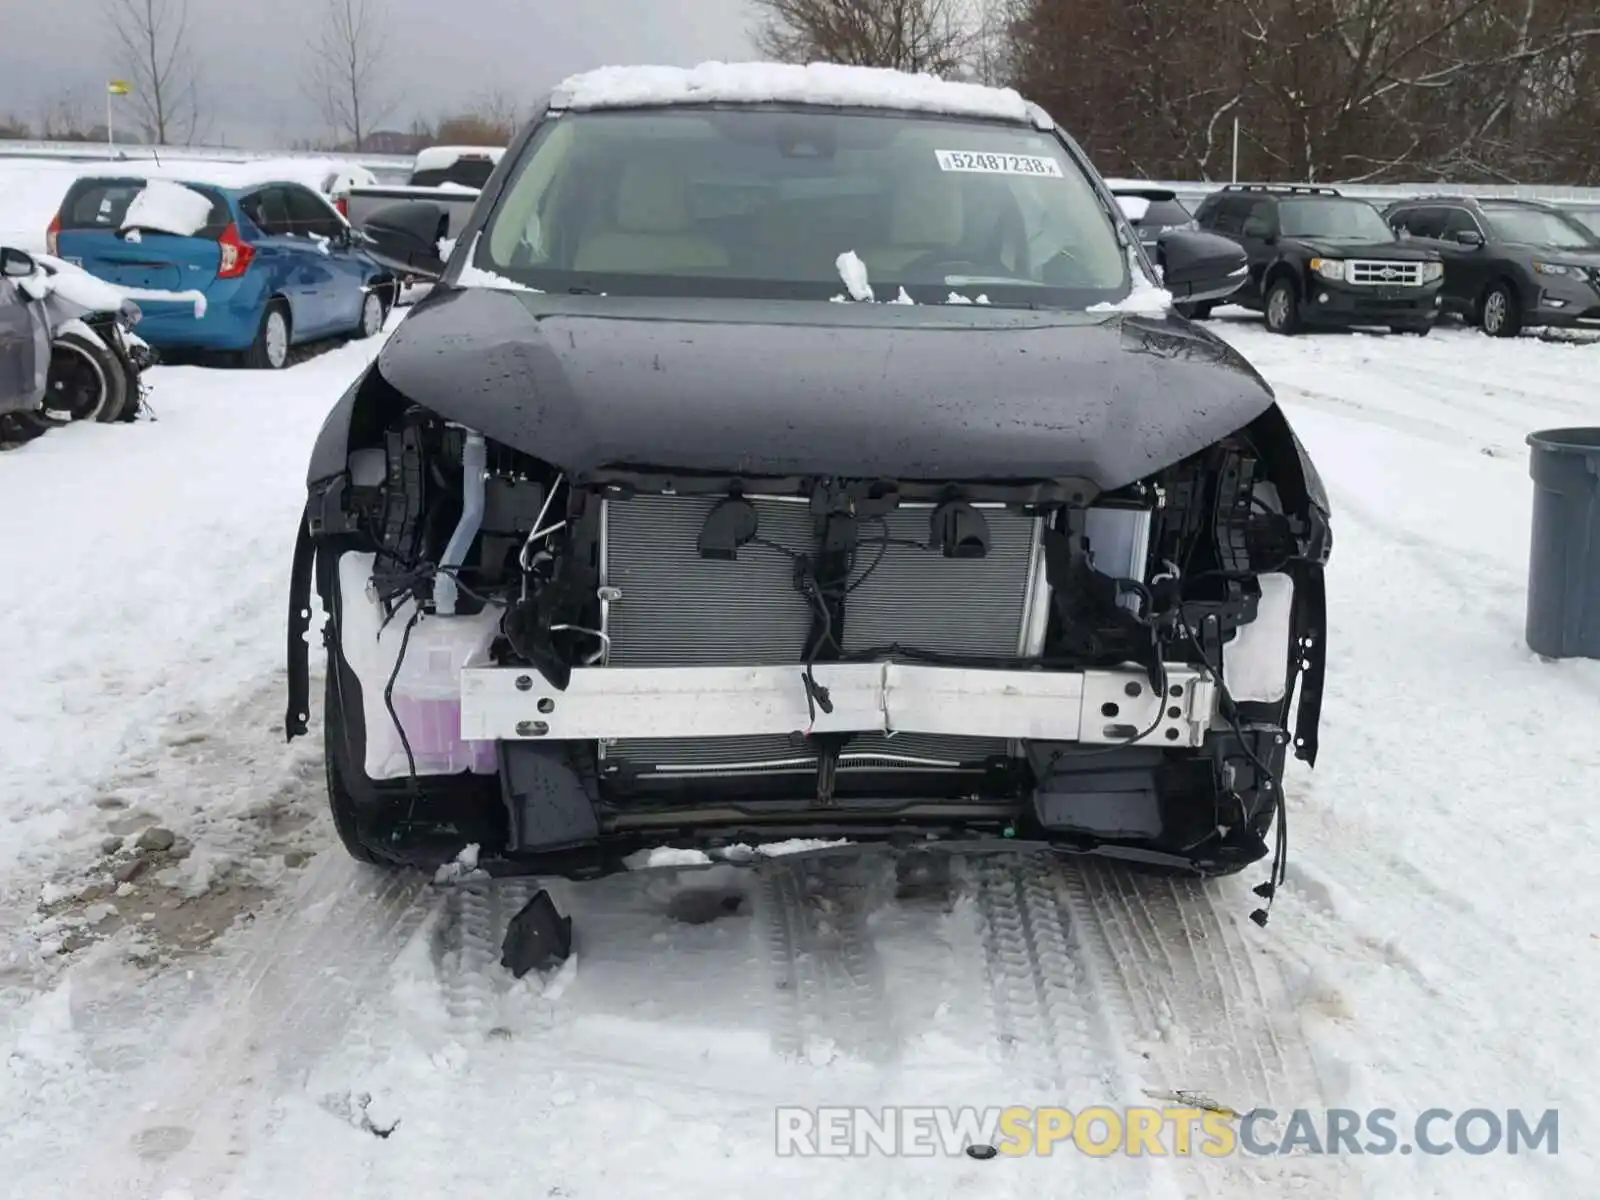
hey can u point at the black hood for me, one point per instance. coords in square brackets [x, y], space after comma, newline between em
[805, 388]
[1399, 250]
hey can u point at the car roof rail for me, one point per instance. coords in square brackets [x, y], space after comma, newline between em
[1286, 189]
[1435, 198]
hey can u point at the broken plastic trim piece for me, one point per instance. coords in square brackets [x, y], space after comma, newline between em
[297, 718]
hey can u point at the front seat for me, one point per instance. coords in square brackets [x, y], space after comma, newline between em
[926, 216]
[654, 230]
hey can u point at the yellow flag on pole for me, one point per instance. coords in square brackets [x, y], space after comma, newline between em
[119, 87]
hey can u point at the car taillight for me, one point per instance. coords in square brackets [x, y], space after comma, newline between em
[52, 236]
[236, 254]
[342, 204]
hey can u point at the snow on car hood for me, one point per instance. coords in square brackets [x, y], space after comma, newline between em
[781, 388]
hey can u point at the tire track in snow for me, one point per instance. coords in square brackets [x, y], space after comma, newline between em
[1210, 1012]
[1041, 1000]
[1367, 414]
[308, 967]
[1477, 397]
[826, 977]
[476, 915]
[1050, 1016]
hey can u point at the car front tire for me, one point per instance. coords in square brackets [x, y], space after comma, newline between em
[86, 380]
[1282, 307]
[1501, 312]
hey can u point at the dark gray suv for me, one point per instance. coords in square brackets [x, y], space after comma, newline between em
[24, 350]
[1508, 264]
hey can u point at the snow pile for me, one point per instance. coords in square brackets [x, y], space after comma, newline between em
[658, 857]
[1134, 207]
[854, 273]
[156, 296]
[474, 276]
[94, 294]
[460, 867]
[440, 158]
[768, 83]
[1144, 297]
[166, 207]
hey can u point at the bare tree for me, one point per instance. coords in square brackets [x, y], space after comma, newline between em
[347, 69]
[62, 118]
[935, 36]
[153, 51]
[1324, 90]
[491, 120]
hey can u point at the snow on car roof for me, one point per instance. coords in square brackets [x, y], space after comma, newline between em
[827, 84]
[438, 158]
[311, 172]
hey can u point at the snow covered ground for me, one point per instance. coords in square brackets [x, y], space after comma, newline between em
[201, 998]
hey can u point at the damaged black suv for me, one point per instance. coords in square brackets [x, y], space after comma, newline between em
[778, 459]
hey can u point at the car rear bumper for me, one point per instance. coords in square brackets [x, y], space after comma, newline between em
[230, 321]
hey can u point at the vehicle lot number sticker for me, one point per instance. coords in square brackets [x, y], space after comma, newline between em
[997, 164]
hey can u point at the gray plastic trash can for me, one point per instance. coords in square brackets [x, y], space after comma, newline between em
[1564, 557]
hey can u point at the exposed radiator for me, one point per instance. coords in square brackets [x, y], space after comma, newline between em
[678, 609]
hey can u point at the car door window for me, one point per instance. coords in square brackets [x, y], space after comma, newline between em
[1227, 216]
[1261, 219]
[1426, 222]
[1459, 221]
[268, 210]
[309, 216]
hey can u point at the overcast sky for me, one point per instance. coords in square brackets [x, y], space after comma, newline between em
[441, 53]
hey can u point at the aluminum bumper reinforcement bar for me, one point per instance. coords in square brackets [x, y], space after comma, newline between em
[601, 703]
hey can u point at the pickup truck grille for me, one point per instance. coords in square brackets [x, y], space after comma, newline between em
[678, 609]
[1377, 273]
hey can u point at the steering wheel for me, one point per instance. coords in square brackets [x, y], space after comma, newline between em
[934, 262]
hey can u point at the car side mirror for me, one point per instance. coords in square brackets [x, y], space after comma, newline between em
[1470, 237]
[406, 236]
[1257, 228]
[16, 264]
[1201, 266]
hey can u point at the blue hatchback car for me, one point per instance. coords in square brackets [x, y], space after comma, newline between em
[259, 268]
